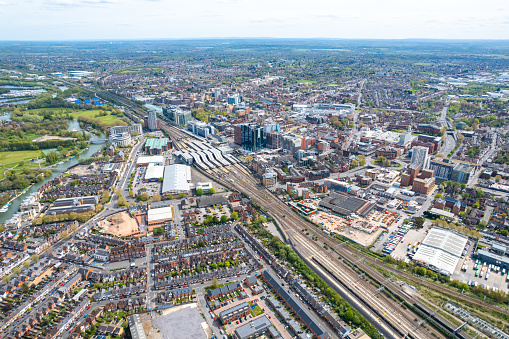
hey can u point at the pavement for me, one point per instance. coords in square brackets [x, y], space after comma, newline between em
[185, 323]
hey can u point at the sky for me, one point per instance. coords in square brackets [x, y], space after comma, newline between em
[182, 19]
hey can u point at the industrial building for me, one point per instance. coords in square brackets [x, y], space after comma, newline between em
[343, 204]
[159, 216]
[154, 172]
[441, 250]
[177, 179]
[157, 160]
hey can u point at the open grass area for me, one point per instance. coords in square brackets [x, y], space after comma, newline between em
[255, 311]
[423, 63]
[94, 113]
[306, 81]
[11, 157]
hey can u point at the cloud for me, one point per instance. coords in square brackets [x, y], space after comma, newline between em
[74, 3]
[4, 3]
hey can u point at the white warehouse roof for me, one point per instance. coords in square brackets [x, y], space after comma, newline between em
[441, 249]
[154, 159]
[159, 214]
[177, 179]
[154, 172]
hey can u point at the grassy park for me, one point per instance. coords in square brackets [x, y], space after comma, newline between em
[94, 114]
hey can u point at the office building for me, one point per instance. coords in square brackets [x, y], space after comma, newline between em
[462, 173]
[177, 116]
[249, 136]
[134, 128]
[120, 139]
[273, 140]
[200, 128]
[269, 179]
[234, 99]
[292, 143]
[442, 168]
[420, 156]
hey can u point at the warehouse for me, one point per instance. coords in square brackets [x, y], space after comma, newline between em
[154, 172]
[345, 205]
[177, 179]
[441, 250]
[159, 216]
[155, 160]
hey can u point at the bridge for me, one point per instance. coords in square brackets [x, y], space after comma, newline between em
[98, 141]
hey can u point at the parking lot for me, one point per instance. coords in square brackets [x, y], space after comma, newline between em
[494, 280]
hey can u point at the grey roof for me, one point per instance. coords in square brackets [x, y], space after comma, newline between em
[252, 327]
[136, 327]
[315, 328]
[344, 204]
[234, 310]
[213, 200]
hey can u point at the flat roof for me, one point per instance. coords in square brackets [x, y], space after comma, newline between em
[156, 143]
[154, 171]
[441, 249]
[157, 214]
[438, 211]
[247, 330]
[177, 178]
[158, 159]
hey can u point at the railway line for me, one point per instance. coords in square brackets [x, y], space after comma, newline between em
[238, 177]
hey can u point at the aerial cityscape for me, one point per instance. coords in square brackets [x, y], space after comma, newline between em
[217, 188]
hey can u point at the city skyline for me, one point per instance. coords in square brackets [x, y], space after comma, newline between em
[136, 19]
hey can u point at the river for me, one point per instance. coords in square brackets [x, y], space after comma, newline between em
[92, 148]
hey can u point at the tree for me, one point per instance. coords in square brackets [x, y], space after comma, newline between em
[105, 196]
[479, 193]
[349, 315]
[224, 219]
[121, 201]
[199, 191]
[26, 264]
[182, 195]
[25, 288]
[498, 178]
[64, 235]
[35, 258]
[156, 198]
[118, 193]
[215, 283]
[419, 222]
[161, 179]
[6, 279]
[362, 160]
[60, 148]
[143, 196]
[438, 196]
[212, 190]
[476, 204]
[16, 271]
[354, 163]
[234, 215]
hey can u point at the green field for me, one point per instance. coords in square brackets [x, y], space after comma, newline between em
[306, 81]
[12, 157]
[92, 114]
[423, 64]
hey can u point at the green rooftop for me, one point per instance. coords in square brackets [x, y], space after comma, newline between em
[156, 143]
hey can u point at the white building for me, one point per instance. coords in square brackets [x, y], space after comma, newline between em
[205, 186]
[177, 179]
[120, 139]
[420, 157]
[134, 128]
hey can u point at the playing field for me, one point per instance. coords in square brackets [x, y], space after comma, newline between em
[95, 115]
[11, 157]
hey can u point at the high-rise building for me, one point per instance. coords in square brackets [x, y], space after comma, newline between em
[200, 128]
[420, 156]
[152, 122]
[234, 99]
[177, 116]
